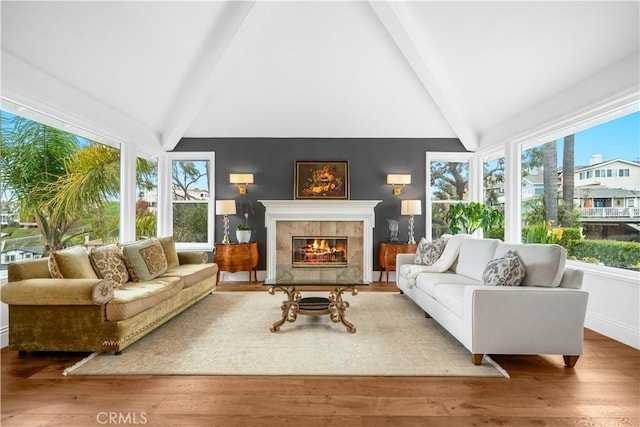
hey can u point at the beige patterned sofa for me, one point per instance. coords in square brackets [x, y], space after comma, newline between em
[104, 300]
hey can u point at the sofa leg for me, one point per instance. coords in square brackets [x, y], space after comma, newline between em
[427, 315]
[477, 358]
[22, 353]
[570, 361]
[117, 353]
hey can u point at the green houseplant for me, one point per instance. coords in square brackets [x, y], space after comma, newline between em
[468, 217]
[243, 231]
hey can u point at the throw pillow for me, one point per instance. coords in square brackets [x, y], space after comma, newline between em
[505, 271]
[145, 259]
[108, 263]
[429, 252]
[169, 247]
[71, 263]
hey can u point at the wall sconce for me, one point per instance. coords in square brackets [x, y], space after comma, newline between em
[241, 180]
[226, 208]
[411, 208]
[398, 181]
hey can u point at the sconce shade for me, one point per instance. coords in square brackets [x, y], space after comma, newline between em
[411, 207]
[241, 178]
[225, 207]
[398, 179]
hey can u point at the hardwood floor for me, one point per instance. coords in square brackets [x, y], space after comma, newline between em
[602, 390]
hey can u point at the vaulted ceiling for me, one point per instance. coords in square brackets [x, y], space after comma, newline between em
[154, 72]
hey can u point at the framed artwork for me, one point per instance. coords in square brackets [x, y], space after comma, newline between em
[321, 180]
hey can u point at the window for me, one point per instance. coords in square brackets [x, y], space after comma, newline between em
[448, 176]
[584, 204]
[188, 190]
[146, 196]
[66, 185]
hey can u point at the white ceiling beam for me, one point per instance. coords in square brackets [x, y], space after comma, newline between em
[229, 37]
[398, 22]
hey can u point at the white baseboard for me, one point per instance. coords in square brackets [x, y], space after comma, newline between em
[613, 329]
[4, 336]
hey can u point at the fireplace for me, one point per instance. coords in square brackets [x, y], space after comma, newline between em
[319, 251]
[353, 219]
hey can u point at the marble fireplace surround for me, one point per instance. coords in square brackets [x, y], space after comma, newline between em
[352, 218]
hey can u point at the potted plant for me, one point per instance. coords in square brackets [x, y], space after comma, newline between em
[468, 217]
[243, 231]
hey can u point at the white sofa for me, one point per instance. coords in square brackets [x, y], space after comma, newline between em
[544, 315]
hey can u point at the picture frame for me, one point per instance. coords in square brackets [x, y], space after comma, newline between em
[321, 180]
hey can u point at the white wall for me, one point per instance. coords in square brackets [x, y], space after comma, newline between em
[614, 302]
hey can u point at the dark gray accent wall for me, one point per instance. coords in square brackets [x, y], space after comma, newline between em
[272, 161]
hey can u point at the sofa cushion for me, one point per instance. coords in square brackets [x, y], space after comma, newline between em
[544, 264]
[71, 263]
[427, 252]
[504, 271]
[135, 297]
[451, 297]
[474, 256]
[428, 281]
[192, 274]
[169, 248]
[145, 259]
[107, 261]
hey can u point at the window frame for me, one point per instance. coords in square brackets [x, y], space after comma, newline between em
[166, 202]
[474, 185]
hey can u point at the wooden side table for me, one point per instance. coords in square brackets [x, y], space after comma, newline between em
[235, 257]
[387, 255]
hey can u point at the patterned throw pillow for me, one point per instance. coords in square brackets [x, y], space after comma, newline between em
[429, 252]
[505, 271]
[71, 263]
[108, 263]
[169, 247]
[145, 259]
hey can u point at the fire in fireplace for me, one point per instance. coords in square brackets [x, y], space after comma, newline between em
[319, 251]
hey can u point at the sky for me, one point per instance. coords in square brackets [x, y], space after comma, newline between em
[616, 139]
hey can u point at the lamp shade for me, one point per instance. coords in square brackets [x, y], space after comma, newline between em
[411, 207]
[225, 207]
[398, 179]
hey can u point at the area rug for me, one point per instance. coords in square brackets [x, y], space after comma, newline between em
[227, 333]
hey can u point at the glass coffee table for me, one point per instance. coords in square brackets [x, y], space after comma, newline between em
[292, 281]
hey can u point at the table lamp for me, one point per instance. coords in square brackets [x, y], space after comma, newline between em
[411, 208]
[226, 208]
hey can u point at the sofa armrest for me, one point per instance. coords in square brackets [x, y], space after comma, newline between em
[47, 291]
[402, 259]
[193, 257]
[521, 320]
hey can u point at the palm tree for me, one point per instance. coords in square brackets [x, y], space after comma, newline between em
[550, 165]
[58, 179]
[568, 176]
[33, 157]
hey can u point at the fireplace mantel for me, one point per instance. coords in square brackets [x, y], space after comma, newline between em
[320, 210]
